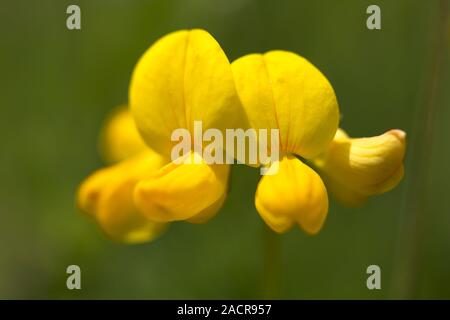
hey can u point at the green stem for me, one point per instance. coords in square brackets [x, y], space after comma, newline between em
[272, 264]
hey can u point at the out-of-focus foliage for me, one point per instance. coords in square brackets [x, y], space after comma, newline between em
[58, 85]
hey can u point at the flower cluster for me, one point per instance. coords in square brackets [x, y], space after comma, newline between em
[185, 77]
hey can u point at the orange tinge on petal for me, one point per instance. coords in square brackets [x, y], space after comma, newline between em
[355, 168]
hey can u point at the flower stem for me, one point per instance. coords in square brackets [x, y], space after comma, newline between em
[272, 264]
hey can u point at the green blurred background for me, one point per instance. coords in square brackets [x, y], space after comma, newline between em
[57, 86]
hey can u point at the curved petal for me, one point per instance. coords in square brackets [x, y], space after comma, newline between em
[295, 194]
[185, 76]
[280, 89]
[107, 196]
[119, 138]
[363, 166]
[191, 191]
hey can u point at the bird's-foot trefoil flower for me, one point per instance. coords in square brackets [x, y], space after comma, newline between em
[183, 78]
[280, 89]
[107, 195]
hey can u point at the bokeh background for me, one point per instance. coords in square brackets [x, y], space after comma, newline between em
[57, 86]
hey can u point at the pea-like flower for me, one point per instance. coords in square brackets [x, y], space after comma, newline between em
[184, 77]
[282, 90]
[107, 195]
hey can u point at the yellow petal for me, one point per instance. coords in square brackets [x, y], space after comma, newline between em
[119, 138]
[107, 196]
[295, 194]
[183, 77]
[280, 89]
[363, 166]
[206, 214]
[188, 191]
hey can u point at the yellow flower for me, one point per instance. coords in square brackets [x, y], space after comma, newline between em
[282, 90]
[107, 195]
[184, 77]
[354, 169]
